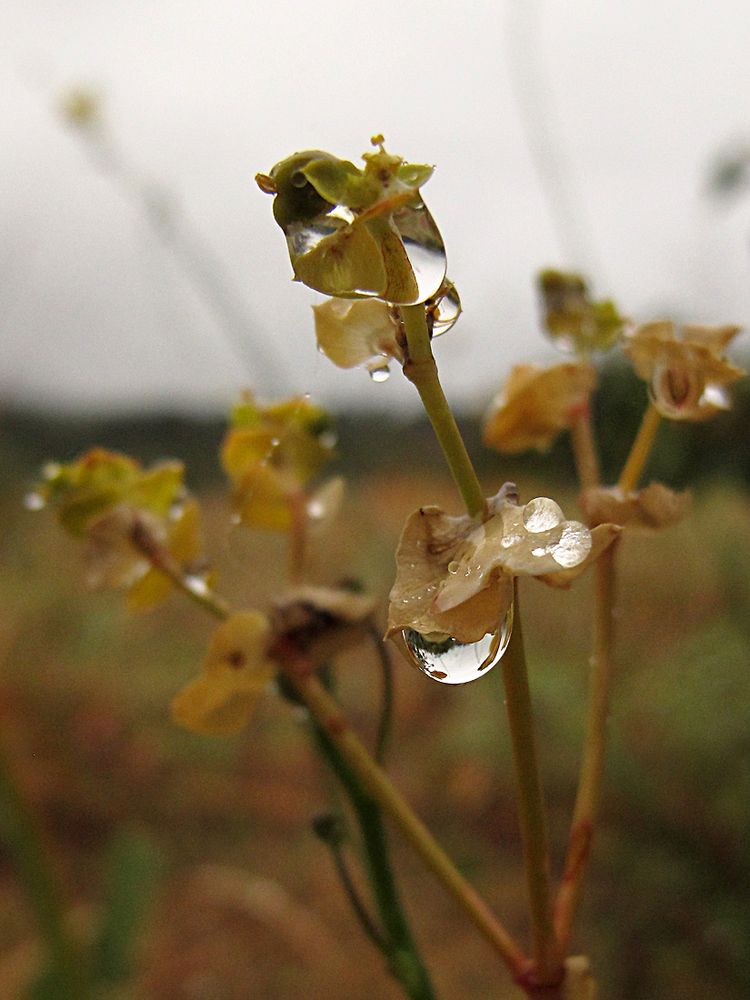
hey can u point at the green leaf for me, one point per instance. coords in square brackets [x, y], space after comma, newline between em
[341, 183]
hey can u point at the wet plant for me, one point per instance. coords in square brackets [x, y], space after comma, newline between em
[365, 238]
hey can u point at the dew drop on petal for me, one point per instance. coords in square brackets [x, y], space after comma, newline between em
[447, 661]
[424, 247]
[573, 547]
[542, 514]
[380, 373]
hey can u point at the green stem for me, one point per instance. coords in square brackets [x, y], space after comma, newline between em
[421, 370]
[386, 707]
[404, 960]
[19, 829]
[586, 809]
[532, 818]
[640, 450]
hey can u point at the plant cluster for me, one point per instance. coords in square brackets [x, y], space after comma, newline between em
[365, 238]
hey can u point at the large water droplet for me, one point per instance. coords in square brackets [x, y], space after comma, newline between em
[445, 310]
[420, 236]
[450, 662]
[380, 372]
[542, 514]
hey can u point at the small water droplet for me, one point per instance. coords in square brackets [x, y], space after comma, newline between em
[328, 439]
[34, 501]
[197, 585]
[453, 567]
[380, 373]
[574, 545]
[446, 309]
[315, 509]
[275, 442]
[447, 661]
[542, 514]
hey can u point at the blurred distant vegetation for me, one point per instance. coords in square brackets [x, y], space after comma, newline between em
[684, 454]
[84, 694]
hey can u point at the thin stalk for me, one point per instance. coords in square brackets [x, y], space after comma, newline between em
[20, 831]
[331, 721]
[640, 450]
[162, 560]
[586, 809]
[584, 448]
[386, 706]
[421, 370]
[399, 947]
[532, 817]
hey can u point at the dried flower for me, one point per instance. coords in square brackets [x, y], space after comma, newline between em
[687, 374]
[455, 576]
[246, 651]
[352, 332]
[655, 506]
[536, 404]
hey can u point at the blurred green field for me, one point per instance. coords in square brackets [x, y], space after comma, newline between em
[247, 904]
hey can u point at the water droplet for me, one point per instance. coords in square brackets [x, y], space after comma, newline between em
[197, 585]
[447, 661]
[315, 509]
[420, 236]
[574, 545]
[453, 567]
[380, 372]
[34, 501]
[542, 514]
[446, 309]
[328, 439]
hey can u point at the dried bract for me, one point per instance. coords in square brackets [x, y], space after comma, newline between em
[688, 373]
[655, 506]
[536, 404]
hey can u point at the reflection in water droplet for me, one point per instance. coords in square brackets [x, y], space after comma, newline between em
[380, 373]
[450, 662]
[34, 501]
[574, 545]
[542, 514]
[446, 309]
[416, 227]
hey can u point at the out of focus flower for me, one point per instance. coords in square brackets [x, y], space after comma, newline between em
[655, 506]
[572, 320]
[271, 453]
[81, 107]
[536, 404]
[132, 518]
[235, 673]
[355, 232]
[246, 651]
[687, 371]
[455, 577]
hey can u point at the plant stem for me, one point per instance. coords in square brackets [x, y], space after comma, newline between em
[421, 370]
[586, 809]
[584, 448]
[19, 829]
[400, 948]
[640, 450]
[532, 818]
[329, 718]
[386, 708]
[162, 560]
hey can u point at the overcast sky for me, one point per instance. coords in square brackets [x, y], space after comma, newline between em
[622, 104]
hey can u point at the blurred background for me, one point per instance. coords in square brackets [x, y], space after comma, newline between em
[145, 284]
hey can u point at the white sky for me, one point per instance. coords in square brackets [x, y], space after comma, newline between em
[94, 310]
